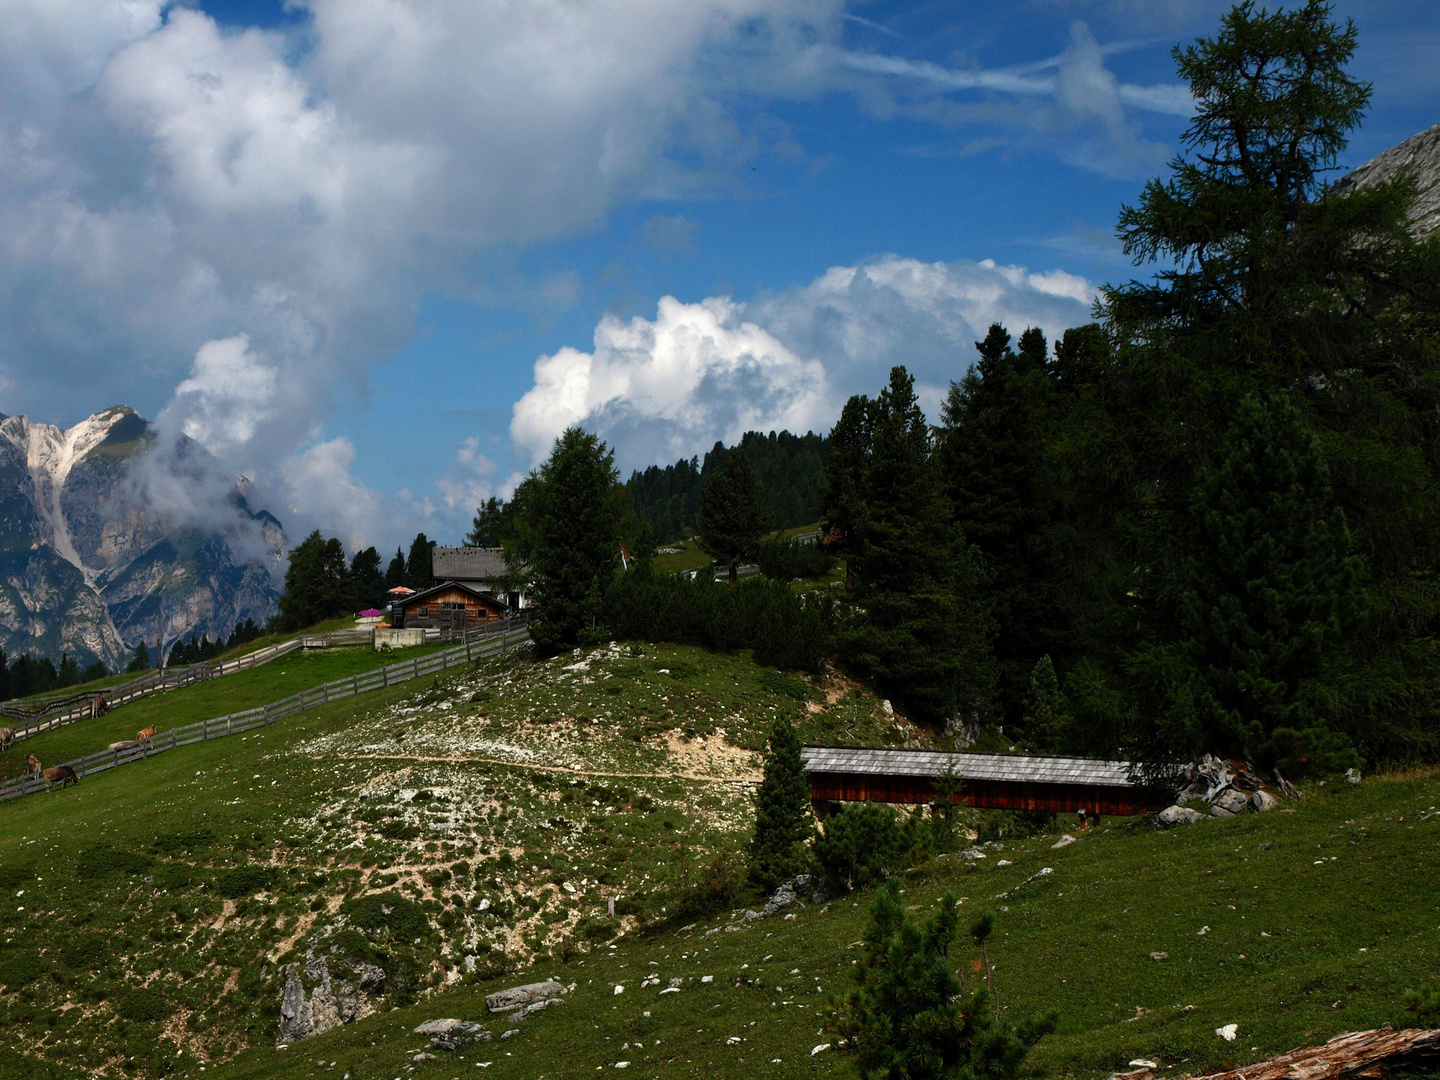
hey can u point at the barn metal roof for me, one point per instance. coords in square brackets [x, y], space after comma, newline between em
[859, 761]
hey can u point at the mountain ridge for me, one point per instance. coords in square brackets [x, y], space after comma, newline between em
[89, 569]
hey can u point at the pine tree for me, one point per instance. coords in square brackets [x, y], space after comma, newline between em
[1047, 720]
[568, 532]
[782, 811]
[317, 583]
[494, 522]
[993, 454]
[419, 567]
[395, 572]
[69, 673]
[1269, 591]
[732, 513]
[140, 659]
[366, 583]
[909, 1017]
[924, 632]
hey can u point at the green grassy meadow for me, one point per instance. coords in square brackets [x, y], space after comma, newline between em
[231, 693]
[150, 914]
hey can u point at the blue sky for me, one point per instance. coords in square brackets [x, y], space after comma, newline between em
[332, 241]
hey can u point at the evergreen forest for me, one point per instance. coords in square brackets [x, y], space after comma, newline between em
[1205, 522]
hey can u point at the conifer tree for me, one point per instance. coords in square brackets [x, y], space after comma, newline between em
[782, 811]
[910, 1017]
[993, 454]
[366, 583]
[317, 583]
[419, 566]
[732, 513]
[568, 533]
[140, 659]
[395, 572]
[1047, 715]
[1268, 592]
[924, 632]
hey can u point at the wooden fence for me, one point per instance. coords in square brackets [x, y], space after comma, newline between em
[494, 640]
[54, 712]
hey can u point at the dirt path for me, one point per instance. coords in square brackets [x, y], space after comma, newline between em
[459, 759]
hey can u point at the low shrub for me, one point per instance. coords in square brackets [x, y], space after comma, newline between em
[387, 913]
[142, 1006]
[244, 881]
[784, 560]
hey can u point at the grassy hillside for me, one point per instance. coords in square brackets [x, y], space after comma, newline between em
[1295, 927]
[155, 905]
[230, 693]
[150, 913]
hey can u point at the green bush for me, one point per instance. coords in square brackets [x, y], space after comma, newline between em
[387, 913]
[784, 560]
[20, 969]
[244, 881]
[785, 630]
[860, 846]
[101, 860]
[142, 1006]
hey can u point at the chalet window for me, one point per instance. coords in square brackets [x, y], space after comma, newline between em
[422, 612]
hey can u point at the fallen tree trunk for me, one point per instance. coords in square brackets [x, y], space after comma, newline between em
[1355, 1055]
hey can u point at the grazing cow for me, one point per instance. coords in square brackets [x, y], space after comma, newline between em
[33, 763]
[63, 774]
[7, 738]
[99, 706]
[145, 734]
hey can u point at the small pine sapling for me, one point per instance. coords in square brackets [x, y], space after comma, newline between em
[909, 1017]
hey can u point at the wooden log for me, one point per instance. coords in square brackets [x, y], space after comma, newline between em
[1355, 1055]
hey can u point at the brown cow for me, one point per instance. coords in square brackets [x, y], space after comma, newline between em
[33, 763]
[63, 773]
[99, 706]
[7, 738]
[145, 734]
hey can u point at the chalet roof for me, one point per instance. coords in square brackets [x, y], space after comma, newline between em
[931, 763]
[425, 594]
[467, 563]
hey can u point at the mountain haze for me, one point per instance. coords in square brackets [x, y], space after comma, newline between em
[88, 568]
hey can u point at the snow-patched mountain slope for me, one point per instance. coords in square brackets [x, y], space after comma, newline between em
[85, 571]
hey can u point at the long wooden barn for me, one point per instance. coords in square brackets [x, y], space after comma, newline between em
[996, 781]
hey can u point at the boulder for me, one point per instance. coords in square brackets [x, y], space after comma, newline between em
[330, 990]
[1352, 776]
[1262, 801]
[1065, 841]
[518, 996]
[1221, 812]
[446, 1027]
[1231, 801]
[530, 1010]
[1178, 815]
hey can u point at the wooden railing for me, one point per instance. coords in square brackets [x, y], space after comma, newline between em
[495, 639]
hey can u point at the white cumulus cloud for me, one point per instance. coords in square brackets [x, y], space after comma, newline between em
[670, 387]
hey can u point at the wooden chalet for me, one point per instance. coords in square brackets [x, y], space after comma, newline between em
[452, 605]
[997, 781]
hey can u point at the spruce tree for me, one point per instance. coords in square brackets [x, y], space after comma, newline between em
[140, 659]
[568, 533]
[921, 629]
[317, 583]
[1268, 592]
[395, 572]
[69, 673]
[911, 1018]
[732, 513]
[782, 811]
[1047, 720]
[366, 582]
[994, 456]
[419, 567]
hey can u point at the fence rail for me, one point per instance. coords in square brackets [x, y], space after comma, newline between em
[494, 640]
[81, 706]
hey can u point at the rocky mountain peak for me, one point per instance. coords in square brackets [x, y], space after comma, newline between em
[1419, 156]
